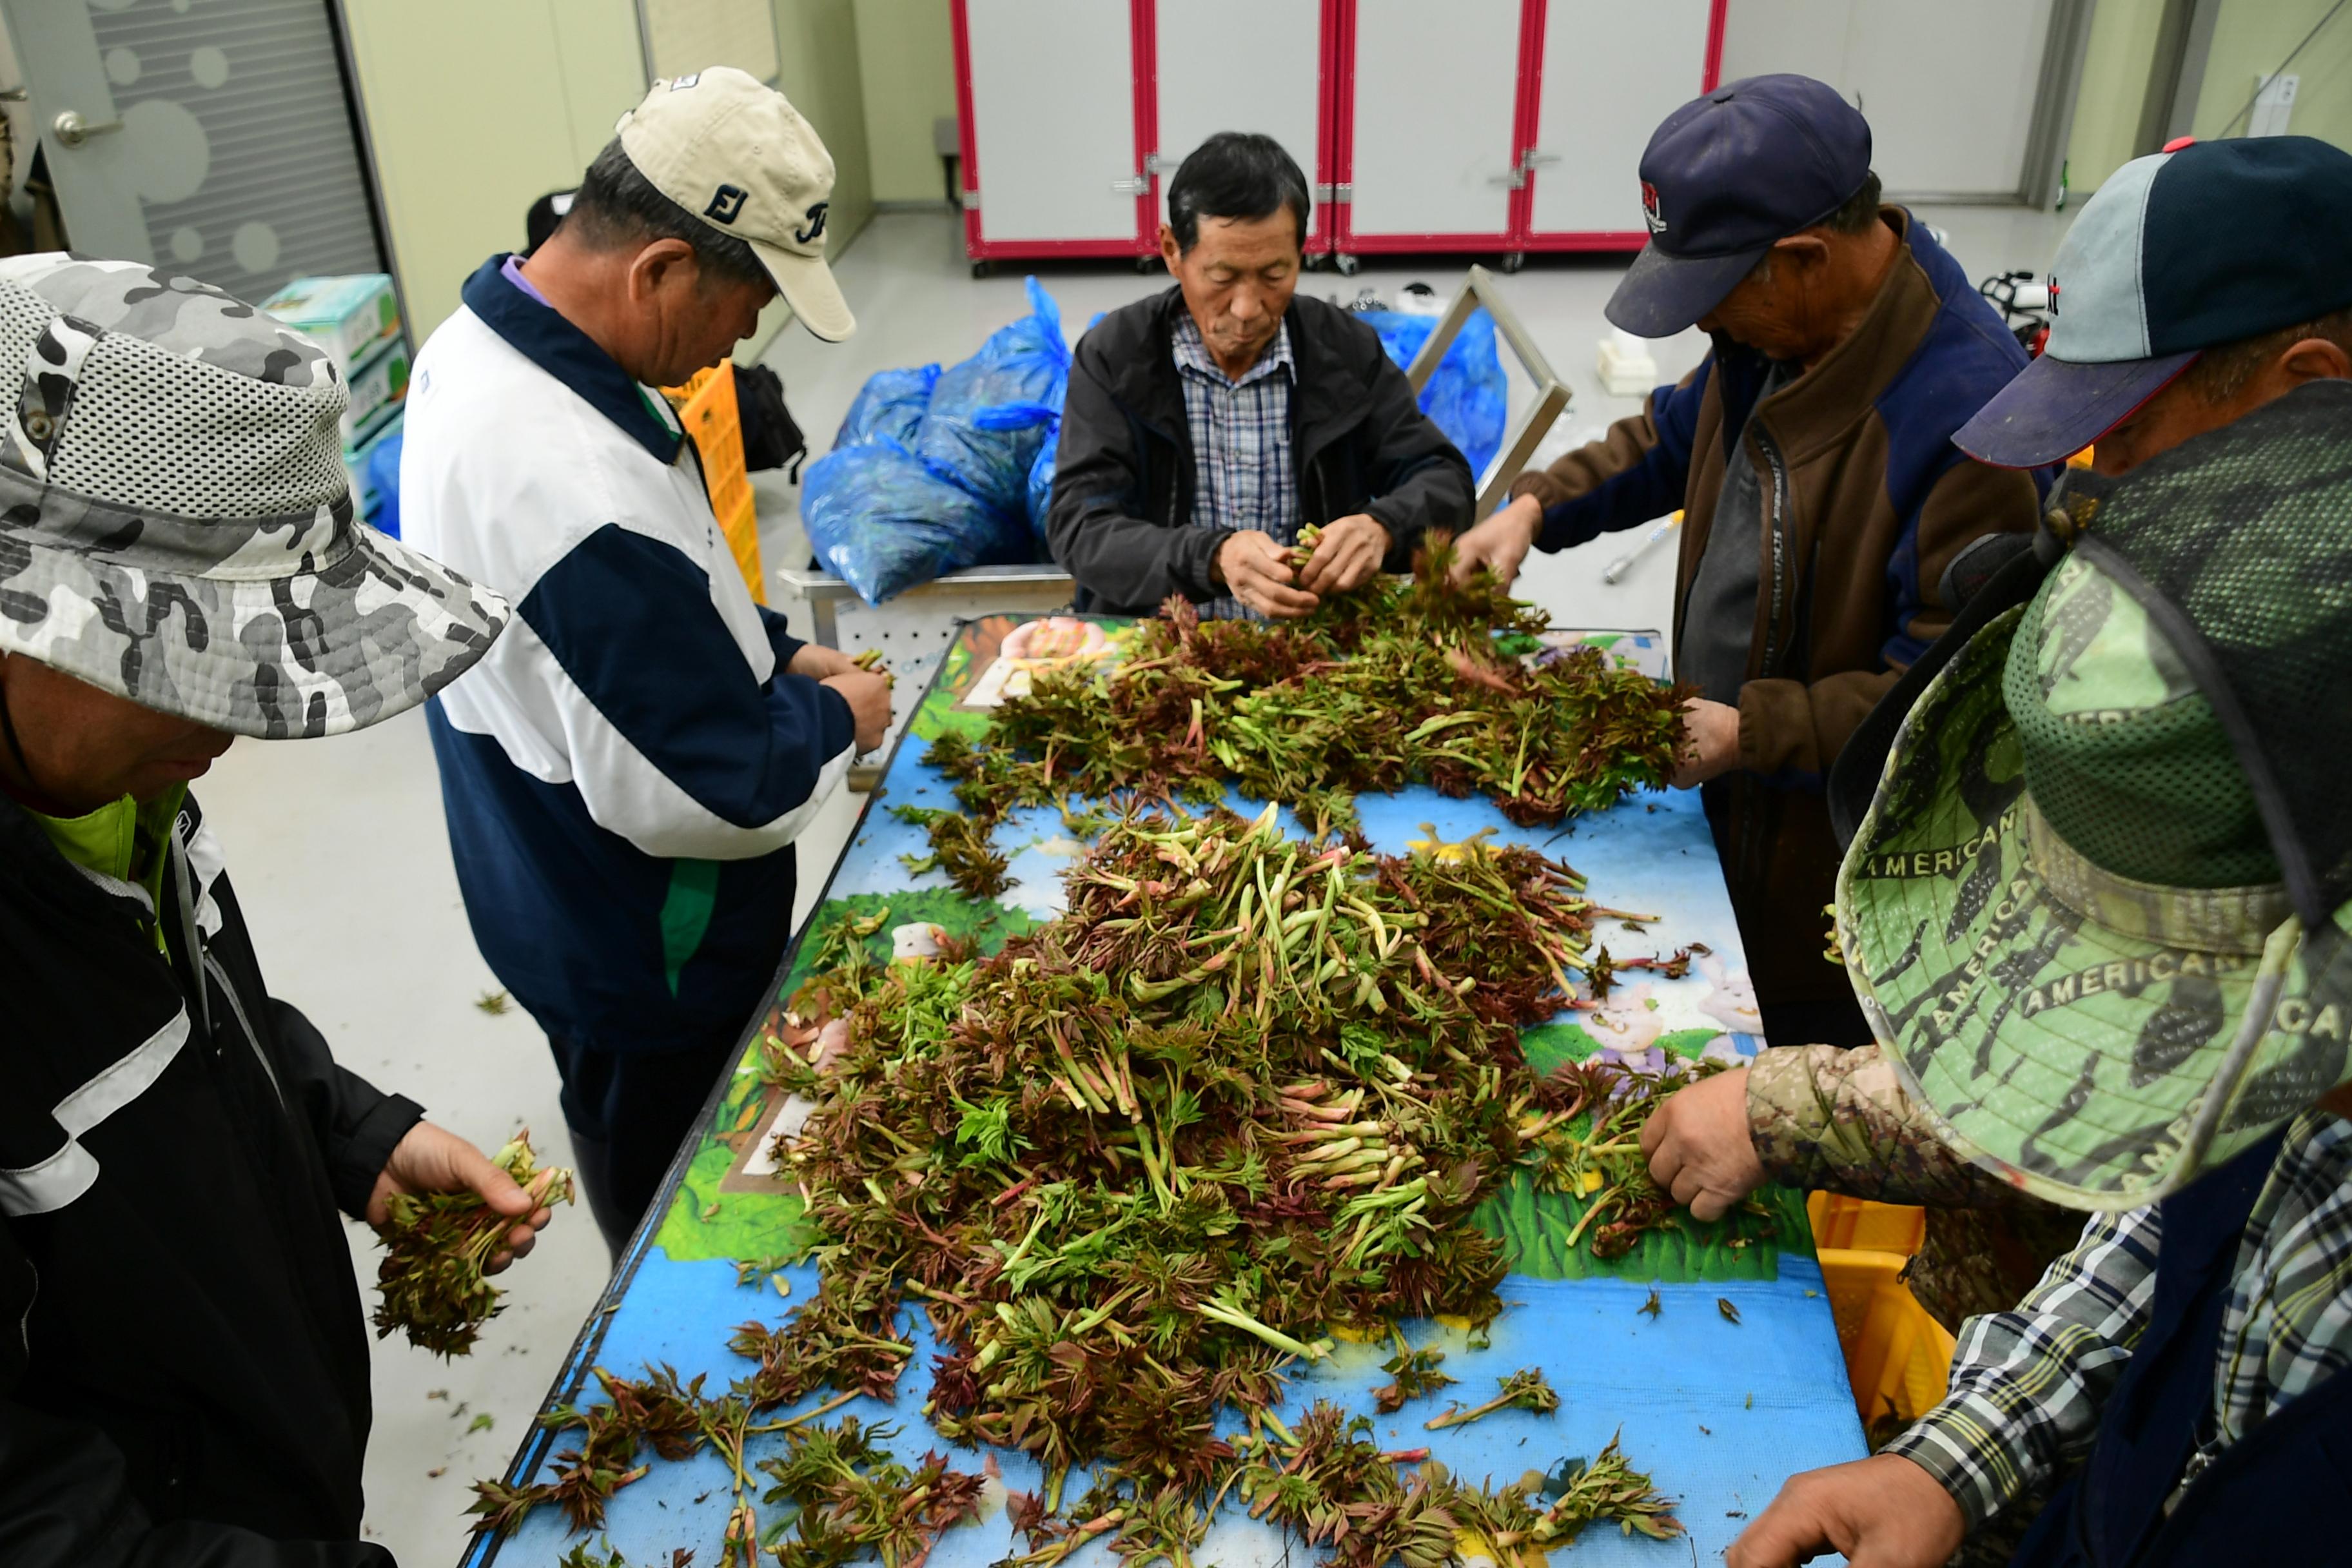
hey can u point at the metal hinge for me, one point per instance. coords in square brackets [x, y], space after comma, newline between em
[1153, 164]
[971, 200]
[1331, 195]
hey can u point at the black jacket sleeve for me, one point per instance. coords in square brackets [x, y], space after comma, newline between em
[1094, 527]
[1420, 480]
[355, 1122]
[64, 1501]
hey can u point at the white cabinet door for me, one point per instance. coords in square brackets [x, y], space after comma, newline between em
[1610, 73]
[1954, 122]
[1053, 109]
[1205, 84]
[1436, 94]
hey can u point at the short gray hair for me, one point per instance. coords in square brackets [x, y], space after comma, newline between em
[617, 206]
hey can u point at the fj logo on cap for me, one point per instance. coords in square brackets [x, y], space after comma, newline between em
[816, 229]
[1650, 208]
[726, 203]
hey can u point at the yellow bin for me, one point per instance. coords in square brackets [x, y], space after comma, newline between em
[707, 407]
[1897, 1358]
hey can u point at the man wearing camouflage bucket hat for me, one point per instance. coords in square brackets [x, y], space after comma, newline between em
[185, 1375]
[2098, 910]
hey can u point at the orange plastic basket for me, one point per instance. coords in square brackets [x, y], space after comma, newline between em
[707, 407]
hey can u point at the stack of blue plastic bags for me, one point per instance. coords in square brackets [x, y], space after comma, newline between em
[936, 470]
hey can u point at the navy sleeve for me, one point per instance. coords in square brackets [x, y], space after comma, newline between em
[629, 619]
[1637, 474]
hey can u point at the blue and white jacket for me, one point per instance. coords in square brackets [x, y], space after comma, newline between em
[625, 772]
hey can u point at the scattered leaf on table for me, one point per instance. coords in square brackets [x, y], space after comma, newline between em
[1650, 1307]
[1723, 1305]
[494, 1002]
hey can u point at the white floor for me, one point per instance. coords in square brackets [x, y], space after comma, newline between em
[342, 863]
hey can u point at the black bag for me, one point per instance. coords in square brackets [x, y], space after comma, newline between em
[772, 437]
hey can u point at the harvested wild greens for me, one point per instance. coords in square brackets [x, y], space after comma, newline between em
[1246, 1091]
[1406, 680]
[435, 1245]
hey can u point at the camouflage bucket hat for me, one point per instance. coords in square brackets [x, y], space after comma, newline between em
[175, 523]
[2098, 910]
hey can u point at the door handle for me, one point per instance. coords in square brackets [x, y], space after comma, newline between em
[1516, 180]
[1141, 184]
[1532, 159]
[72, 130]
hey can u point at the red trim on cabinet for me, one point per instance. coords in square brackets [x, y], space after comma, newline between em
[1710, 74]
[1588, 240]
[1143, 59]
[1525, 114]
[1328, 77]
[967, 136]
[1340, 15]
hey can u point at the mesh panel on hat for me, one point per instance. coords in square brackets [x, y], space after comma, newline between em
[157, 432]
[2152, 793]
[23, 314]
[2247, 529]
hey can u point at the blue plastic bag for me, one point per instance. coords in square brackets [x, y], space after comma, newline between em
[990, 415]
[882, 521]
[891, 404]
[1041, 487]
[1467, 395]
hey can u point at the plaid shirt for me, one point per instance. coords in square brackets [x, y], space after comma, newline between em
[2028, 1385]
[1243, 476]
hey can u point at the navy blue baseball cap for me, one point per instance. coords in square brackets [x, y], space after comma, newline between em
[2200, 245]
[1755, 161]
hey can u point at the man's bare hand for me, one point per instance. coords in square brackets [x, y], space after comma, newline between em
[1257, 571]
[819, 662]
[1698, 1145]
[1883, 1513]
[431, 1158]
[868, 696]
[1710, 744]
[1501, 543]
[1347, 556]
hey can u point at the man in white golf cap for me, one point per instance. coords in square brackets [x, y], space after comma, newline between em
[625, 775]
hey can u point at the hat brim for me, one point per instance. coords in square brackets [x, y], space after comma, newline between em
[1660, 295]
[2054, 407]
[2069, 1051]
[373, 633]
[810, 287]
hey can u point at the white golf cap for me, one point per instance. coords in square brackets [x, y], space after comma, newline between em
[736, 154]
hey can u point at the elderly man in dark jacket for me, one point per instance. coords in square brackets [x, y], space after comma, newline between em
[1810, 452]
[183, 1374]
[1206, 426]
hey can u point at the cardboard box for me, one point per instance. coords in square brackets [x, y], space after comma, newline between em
[346, 316]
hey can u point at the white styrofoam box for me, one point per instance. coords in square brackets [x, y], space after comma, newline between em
[1626, 368]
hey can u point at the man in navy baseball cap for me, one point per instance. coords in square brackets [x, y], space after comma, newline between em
[2187, 275]
[1725, 177]
[1810, 452]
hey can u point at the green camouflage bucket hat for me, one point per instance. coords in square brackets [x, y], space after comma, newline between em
[2097, 911]
[175, 523]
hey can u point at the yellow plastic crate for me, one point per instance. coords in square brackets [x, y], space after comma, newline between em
[1897, 1358]
[707, 407]
[1859, 1226]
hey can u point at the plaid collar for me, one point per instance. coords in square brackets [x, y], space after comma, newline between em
[1192, 354]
